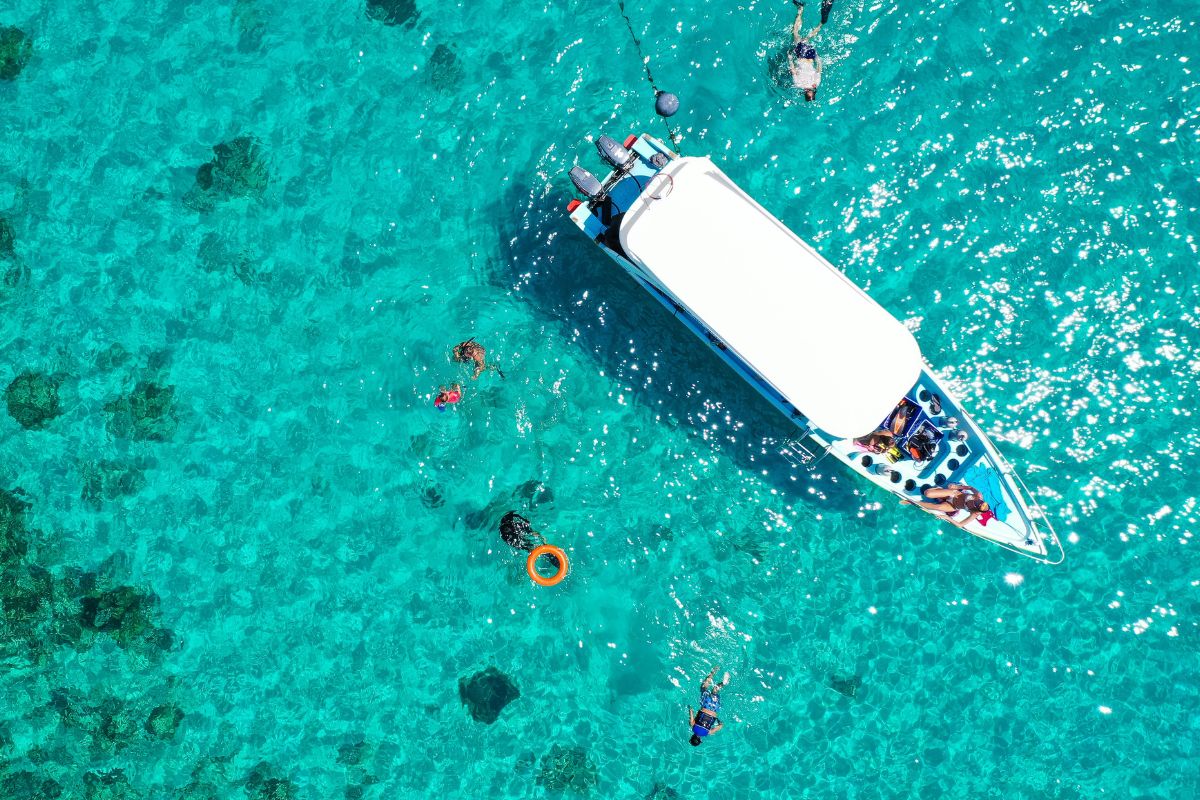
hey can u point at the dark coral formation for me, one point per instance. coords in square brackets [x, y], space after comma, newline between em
[393, 12]
[215, 256]
[26, 785]
[16, 48]
[534, 493]
[147, 414]
[846, 686]
[485, 694]
[431, 496]
[126, 614]
[32, 399]
[8, 239]
[352, 754]
[238, 169]
[444, 71]
[13, 271]
[164, 721]
[568, 768]
[261, 784]
[661, 792]
[109, 480]
[106, 722]
[111, 785]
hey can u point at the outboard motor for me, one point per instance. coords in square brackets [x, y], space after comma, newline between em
[587, 183]
[615, 153]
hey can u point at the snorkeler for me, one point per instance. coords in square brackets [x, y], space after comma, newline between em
[705, 721]
[472, 351]
[447, 396]
[518, 532]
[802, 58]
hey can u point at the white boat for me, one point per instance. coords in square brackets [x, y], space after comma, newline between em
[807, 338]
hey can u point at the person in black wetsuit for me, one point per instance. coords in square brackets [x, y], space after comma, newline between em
[518, 532]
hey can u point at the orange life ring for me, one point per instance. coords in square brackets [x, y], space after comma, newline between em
[537, 577]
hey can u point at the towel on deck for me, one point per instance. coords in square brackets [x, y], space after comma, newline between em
[987, 481]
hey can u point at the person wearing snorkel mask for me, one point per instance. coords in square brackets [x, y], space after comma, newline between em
[803, 60]
[704, 722]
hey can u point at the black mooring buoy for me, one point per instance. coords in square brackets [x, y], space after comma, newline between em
[666, 104]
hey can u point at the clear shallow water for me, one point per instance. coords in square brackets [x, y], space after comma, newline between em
[1019, 181]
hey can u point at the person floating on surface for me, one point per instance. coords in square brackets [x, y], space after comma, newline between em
[958, 503]
[518, 532]
[447, 396]
[705, 721]
[472, 351]
[802, 59]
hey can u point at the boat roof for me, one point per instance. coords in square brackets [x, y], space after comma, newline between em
[833, 352]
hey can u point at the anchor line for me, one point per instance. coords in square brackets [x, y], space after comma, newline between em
[637, 43]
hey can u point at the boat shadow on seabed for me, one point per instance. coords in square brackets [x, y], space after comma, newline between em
[569, 281]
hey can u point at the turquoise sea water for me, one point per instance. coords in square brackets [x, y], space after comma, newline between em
[248, 558]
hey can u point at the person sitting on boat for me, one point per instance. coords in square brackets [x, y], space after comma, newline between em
[705, 721]
[472, 351]
[957, 502]
[883, 439]
[802, 58]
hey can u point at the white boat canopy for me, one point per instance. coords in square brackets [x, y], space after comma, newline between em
[826, 346]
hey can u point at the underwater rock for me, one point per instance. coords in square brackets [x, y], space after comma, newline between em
[486, 694]
[107, 722]
[126, 614]
[660, 792]
[444, 71]
[251, 24]
[568, 768]
[26, 785]
[393, 12]
[262, 785]
[164, 721]
[108, 480]
[431, 497]
[32, 399]
[846, 686]
[147, 414]
[352, 754]
[215, 256]
[111, 785]
[13, 544]
[8, 239]
[534, 493]
[238, 169]
[16, 48]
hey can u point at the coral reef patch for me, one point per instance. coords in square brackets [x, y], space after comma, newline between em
[486, 693]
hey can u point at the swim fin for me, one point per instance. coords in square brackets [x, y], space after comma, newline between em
[826, 7]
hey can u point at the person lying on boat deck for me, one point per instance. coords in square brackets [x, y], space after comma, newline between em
[472, 351]
[802, 58]
[957, 502]
[882, 439]
[705, 721]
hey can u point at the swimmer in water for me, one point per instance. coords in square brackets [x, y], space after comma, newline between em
[705, 721]
[518, 532]
[472, 351]
[447, 396]
[802, 58]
